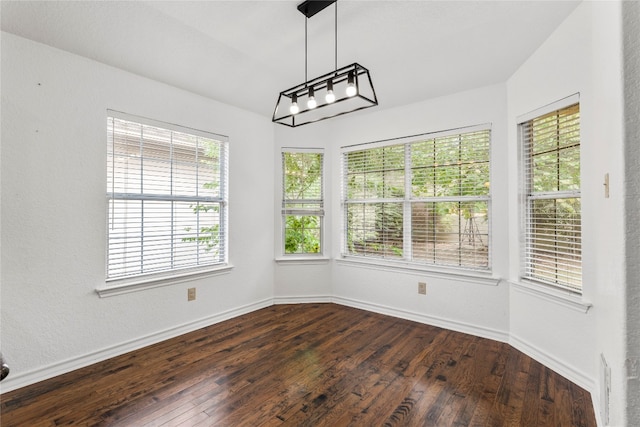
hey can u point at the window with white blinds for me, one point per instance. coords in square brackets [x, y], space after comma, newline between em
[425, 201]
[302, 201]
[167, 197]
[552, 224]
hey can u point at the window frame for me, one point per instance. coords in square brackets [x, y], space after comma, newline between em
[117, 284]
[528, 197]
[408, 262]
[320, 211]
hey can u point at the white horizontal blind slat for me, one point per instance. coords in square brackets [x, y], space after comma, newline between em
[552, 252]
[166, 194]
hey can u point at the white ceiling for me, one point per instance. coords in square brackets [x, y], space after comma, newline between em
[244, 53]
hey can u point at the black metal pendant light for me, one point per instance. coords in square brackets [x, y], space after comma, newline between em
[338, 92]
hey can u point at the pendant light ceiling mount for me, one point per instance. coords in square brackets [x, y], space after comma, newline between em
[341, 91]
[311, 7]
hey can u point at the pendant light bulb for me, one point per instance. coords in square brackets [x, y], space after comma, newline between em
[352, 90]
[311, 102]
[330, 97]
[294, 109]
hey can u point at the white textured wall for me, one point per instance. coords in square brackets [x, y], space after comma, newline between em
[582, 56]
[631, 26]
[53, 212]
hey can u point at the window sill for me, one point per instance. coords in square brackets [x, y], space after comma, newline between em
[471, 276]
[298, 260]
[125, 286]
[561, 297]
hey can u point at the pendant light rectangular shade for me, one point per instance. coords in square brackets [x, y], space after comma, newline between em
[365, 97]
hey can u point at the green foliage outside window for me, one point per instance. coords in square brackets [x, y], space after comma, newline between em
[302, 234]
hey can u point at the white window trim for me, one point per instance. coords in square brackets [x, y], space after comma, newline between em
[123, 285]
[151, 281]
[555, 293]
[302, 259]
[413, 138]
[553, 106]
[441, 272]
[320, 258]
[482, 276]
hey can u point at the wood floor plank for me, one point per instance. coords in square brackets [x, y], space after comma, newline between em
[531, 396]
[308, 365]
[373, 345]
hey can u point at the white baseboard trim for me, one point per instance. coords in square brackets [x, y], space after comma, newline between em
[305, 299]
[399, 313]
[467, 328]
[22, 379]
[574, 375]
[596, 408]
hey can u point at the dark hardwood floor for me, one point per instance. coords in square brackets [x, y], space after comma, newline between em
[308, 365]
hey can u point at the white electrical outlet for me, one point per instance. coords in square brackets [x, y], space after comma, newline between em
[422, 288]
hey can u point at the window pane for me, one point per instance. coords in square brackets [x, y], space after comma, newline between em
[185, 150]
[450, 233]
[302, 176]
[569, 170]
[555, 244]
[156, 236]
[210, 158]
[126, 157]
[185, 234]
[556, 170]
[423, 182]
[451, 166]
[302, 234]
[375, 229]
[376, 174]
[197, 229]
[125, 237]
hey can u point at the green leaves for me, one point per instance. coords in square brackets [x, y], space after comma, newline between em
[302, 234]
[208, 237]
[302, 175]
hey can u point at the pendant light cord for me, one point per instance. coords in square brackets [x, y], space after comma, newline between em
[336, 36]
[305, 49]
[335, 39]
